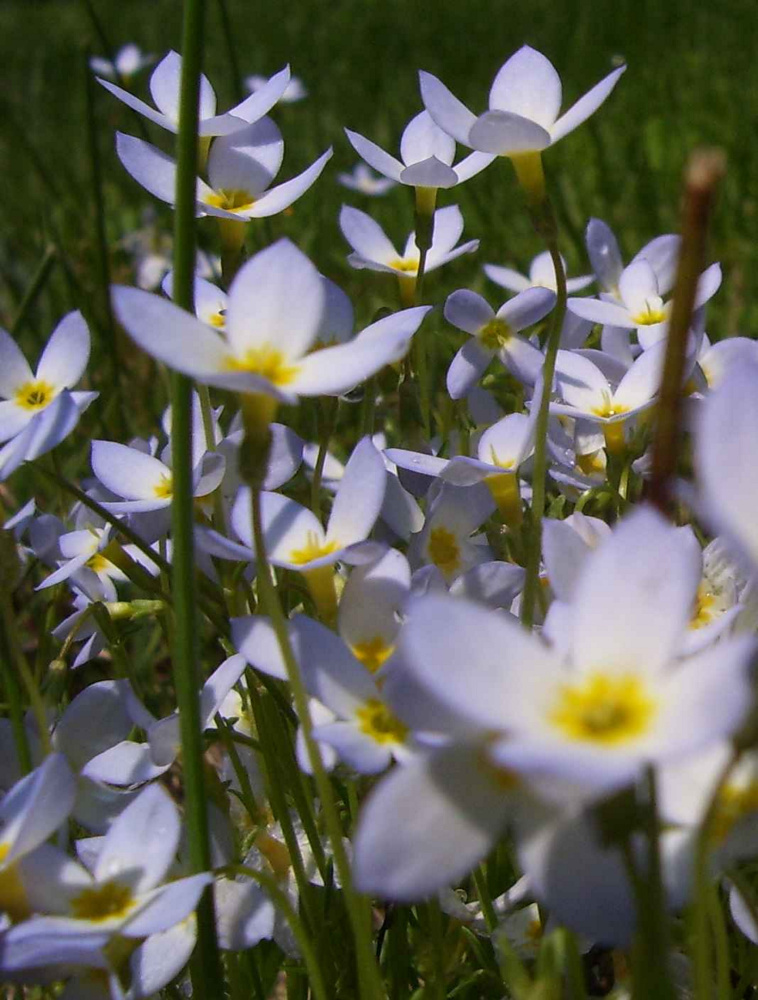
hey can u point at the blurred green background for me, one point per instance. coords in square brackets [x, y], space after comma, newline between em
[692, 80]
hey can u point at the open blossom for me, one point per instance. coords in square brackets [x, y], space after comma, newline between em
[362, 179]
[294, 91]
[38, 409]
[128, 61]
[165, 87]
[524, 107]
[640, 304]
[426, 153]
[577, 720]
[269, 336]
[241, 167]
[541, 275]
[495, 333]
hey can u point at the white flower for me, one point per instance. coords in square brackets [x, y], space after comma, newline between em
[128, 61]
[269, 332]
[525, 101]
[426, 153]
[570, 722]
[541, 275]
[37, 409]
[165, 86]
[294, 91]
[362, 179]
[495, 333]
[241, 167]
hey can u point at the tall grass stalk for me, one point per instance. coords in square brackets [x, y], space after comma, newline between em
[206, 966]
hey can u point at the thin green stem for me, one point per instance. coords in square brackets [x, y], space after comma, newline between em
[15, 706]
[328, 423]
[652, 980]
[235, 77]
[368, 972]
[206, 969]
[280, 900]
[100, 238]
[488, 912]
[38, 282]
[17, 662]
[534, 526]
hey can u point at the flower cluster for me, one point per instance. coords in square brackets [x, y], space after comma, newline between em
[436, 587]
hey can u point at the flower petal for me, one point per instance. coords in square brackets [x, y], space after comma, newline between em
[427, 824]
[359, 496]
[375, 156]
[528, 85]
[366, 236]
[447, 111]
[14, 368]
[506, 134]
[276, 199]
[585, 106]
[246, 160]
[263, 312]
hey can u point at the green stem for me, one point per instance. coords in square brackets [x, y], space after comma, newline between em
[101, 240]
[17, 661]
[15, 706]
[488, 912]
[328, 423]
[368, 972]
[652, 980]
[39, 279]
[282, 903]
[235, 76]
[207, 979]
[548, 229]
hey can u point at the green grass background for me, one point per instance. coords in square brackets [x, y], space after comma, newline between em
[692, 80]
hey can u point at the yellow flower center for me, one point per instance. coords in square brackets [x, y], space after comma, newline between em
[378, 722]
[314, 548]
[266, 361]
[444, 551]
[35, 395]
[734, 803]
[504, 488]
[164, 489]
[608, 408]
[373, 652]
[592, 463]
[604, 709]
[12, 893]
[98, 563]
[404, 264]
[494, 334]
[218, 319]
[654, 312]
[233, 200]
[705, 610]
[103, 903]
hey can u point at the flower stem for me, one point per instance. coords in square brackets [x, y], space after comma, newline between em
[206, 970]
[368, 972]
[545, 224]
[704, 170]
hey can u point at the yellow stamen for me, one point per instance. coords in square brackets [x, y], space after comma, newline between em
[233, 200]
[404, 264]
[495, 334]
[12, 892]
[35, 395]
[443, 550]
[592, 463]
[164, 490]
[98, 563]
[704, 612]
[313, 549]
[103, 903]
[652, 314]
[266, 361]
[218, 319]
[604, 709]
[378, 722]
[373, 652]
